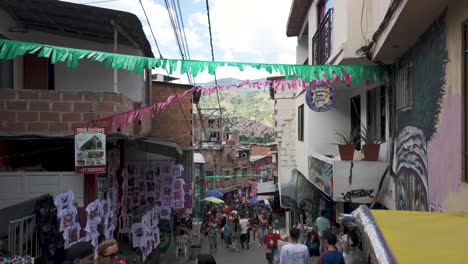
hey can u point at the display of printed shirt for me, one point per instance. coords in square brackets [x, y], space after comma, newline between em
[138, 235]
[165, 212]
[105, 207]
[64, 200]
[71, 234]
[93, 219]
[67, 217]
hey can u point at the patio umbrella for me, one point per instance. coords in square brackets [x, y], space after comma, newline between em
[253, 200]
[214, 193]
[213, 200]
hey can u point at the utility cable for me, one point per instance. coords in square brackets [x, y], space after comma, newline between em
[152, 33]
[154, 38]
[212, 58]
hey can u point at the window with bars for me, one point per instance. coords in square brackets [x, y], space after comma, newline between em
[404, 88]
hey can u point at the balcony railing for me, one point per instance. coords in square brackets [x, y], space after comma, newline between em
[322, 40]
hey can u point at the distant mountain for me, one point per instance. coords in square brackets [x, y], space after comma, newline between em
[233, 81]
[247, 110]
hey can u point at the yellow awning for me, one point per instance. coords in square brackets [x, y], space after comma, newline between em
[424, 237]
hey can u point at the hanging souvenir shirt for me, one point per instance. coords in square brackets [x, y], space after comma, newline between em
[104, 207]
[177, 170]
[64, 200]
[178, 184]
[138, 235]
[67, 217]
[93, 219]
[157, 239]
[109, 226]
[165, 212]
[71, 234]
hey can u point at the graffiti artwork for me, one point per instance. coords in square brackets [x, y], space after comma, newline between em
[321, 174]
[321, 97]
[357, 194]
[417, 126]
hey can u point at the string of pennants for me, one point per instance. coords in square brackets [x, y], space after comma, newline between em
[303, 76]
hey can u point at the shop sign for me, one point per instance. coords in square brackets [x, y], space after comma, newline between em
[321, 97]
[90, 150]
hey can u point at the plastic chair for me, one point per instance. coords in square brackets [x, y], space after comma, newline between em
[125, 223]
[182, 245]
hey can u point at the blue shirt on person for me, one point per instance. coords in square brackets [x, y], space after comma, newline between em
[333, 257]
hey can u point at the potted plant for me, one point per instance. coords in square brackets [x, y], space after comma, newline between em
[372, 142]
[347, 143]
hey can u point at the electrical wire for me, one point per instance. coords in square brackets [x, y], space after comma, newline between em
[154, 37]
[152, 33]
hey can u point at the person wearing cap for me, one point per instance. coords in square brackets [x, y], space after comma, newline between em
[80, 253]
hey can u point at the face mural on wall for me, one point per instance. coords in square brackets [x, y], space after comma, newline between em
[417, 125]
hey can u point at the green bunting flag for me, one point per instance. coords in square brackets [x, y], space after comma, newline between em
[10, 49]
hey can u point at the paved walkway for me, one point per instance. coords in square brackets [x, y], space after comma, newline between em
[254, 255]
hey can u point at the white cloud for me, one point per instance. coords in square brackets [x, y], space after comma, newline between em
[243, 30]
[256, 29]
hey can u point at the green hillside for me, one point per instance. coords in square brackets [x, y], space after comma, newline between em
[254, 105]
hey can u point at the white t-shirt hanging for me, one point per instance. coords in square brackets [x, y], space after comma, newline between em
[67, 217]
[165, 212]
[71, 234]
[64, 200]
[93, 219]
[138, 235]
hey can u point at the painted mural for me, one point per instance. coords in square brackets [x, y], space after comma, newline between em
[321, 174]
[300, 193]
[417, 126]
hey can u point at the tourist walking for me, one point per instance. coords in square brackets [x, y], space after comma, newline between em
[244, 224]
[263, 223]
[227, 234]
[213, 235]
[270, 245]
[235, 234]
[323, 224]
[331, 255]
[294, 252]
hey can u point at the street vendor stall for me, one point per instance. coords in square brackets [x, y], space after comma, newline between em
[410, 237]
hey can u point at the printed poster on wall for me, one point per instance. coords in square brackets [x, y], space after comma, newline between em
[90, 150]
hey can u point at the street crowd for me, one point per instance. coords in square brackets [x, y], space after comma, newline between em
[242, 226]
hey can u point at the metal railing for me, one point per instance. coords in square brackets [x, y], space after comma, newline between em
[22, 238]
[321, 42]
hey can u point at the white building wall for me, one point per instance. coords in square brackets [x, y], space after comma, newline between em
[16, 187]
[89, 76]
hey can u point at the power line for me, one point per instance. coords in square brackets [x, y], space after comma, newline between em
[154, 38]
[152, 33]
[212, 58]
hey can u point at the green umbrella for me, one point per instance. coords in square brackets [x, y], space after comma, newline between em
[214, 200]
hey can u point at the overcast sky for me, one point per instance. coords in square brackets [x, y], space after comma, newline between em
[243, 30]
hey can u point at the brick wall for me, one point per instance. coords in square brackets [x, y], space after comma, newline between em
[172, 124]
[44, 112]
